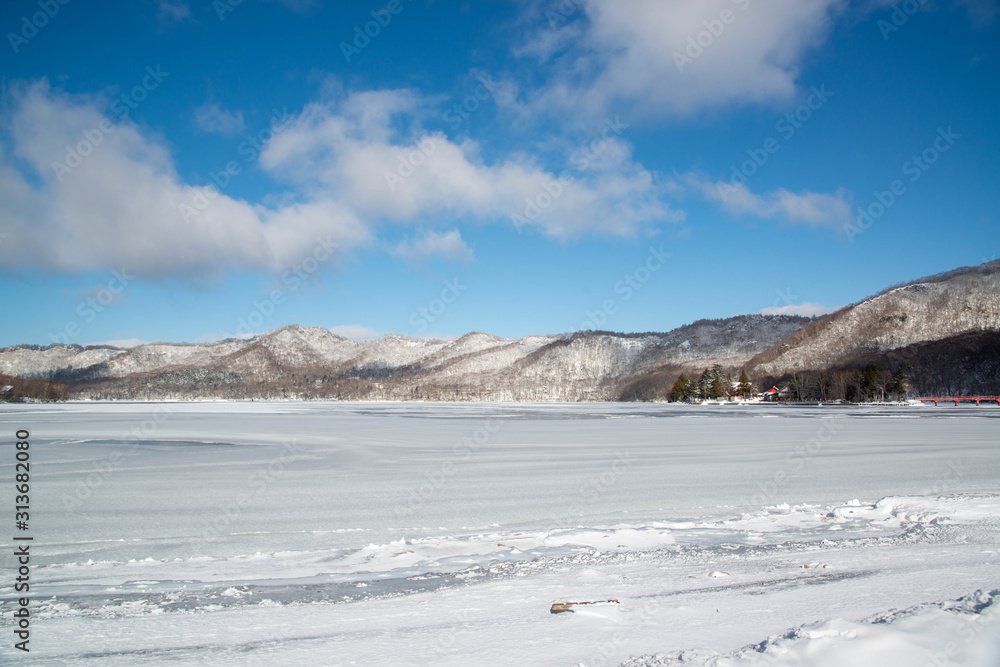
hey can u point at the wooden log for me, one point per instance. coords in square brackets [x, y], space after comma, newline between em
[563, 607]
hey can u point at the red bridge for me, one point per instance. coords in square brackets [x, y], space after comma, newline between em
[977, 399]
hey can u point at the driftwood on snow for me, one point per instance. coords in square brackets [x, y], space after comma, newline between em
[562, 607]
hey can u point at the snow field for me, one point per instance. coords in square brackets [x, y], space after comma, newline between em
[879, 548]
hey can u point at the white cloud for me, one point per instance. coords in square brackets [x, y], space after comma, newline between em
[355, 332]
[805, 309]
[117, 201]
[210, 117]
[810, 208]
[639, 53]
[120, 207]
[449, 245]
[172, 11]
[353, 150]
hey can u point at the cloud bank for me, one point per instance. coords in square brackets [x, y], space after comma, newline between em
[674, 57]
[83, 192]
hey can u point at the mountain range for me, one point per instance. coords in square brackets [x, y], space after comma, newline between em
[911, 328]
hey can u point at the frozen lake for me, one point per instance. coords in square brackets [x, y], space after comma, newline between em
[417, 534]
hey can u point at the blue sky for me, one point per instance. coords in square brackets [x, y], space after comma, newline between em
[174, 170]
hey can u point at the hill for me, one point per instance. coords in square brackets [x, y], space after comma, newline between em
[939, 332]
[294, 361]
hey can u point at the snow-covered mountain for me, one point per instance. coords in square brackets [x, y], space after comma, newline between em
[953, 316]
[937, 308]
[299, 361]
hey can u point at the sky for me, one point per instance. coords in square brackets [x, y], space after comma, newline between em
[187, 171]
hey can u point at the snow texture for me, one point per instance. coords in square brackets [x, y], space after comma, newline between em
[411, 534]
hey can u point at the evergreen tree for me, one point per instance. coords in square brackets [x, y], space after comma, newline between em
[679, 391]
[744, 388]
[869, 378]
[900, 384]
[705, 385]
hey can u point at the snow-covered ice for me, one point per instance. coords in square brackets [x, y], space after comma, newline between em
[440, 534]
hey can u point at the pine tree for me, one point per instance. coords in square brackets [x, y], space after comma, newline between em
[900, 384]
[744, 388]
[679, 391]
[718, 387]
[869, 378]
[705, 384]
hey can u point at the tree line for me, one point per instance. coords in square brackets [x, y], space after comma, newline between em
[15, 389]
[855, 384]
[714, 382]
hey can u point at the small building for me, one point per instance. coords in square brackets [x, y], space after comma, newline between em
[772, 394]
